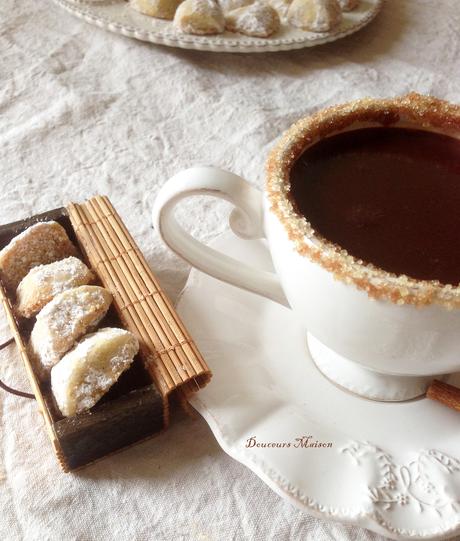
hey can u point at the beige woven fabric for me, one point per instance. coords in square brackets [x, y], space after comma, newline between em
[84, 112]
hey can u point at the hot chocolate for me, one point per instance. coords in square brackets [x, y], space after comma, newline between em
[389, 196]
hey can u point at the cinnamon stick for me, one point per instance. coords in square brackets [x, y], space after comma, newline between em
[444, 393]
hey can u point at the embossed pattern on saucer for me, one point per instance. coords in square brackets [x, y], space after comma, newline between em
[393, 467]
[116, 16]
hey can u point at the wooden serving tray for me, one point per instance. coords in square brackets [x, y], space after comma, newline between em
[168, 363]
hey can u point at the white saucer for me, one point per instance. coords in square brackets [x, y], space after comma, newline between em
[116, 16]
[393, 467]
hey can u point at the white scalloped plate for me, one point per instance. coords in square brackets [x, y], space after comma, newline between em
[393, 467]
[116, 16]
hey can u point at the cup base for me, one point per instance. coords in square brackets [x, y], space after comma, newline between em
[362, 381]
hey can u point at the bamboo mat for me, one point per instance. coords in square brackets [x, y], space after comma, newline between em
[168, 350]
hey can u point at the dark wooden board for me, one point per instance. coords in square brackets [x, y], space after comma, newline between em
[110, 426]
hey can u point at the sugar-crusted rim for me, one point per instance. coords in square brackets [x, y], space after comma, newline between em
[412, 110]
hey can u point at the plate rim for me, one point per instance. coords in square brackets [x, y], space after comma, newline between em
[281, 486]
[82, 9]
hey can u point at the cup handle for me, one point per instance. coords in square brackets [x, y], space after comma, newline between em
[246, 221]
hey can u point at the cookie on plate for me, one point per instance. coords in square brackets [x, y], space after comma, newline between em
[257, 20]
[315, 15]
[160, 9]
[200, 17]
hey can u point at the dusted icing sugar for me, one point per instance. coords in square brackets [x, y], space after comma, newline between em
[199, 17]
[44, 282]
[258, 20]
[88, 371]
[64, 320]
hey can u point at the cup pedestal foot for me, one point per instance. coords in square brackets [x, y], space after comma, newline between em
[364, 382]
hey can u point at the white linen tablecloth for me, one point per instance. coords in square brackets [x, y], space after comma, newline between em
[83, 112]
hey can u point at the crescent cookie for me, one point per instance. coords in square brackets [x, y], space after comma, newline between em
[315, 15]
[88, 371]
[258, 20]
[64, 320]
[44, 282]
[199, 17]
[160, 9]
[281, 7]
[40, 244]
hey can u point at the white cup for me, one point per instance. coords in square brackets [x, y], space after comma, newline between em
[376, 334]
